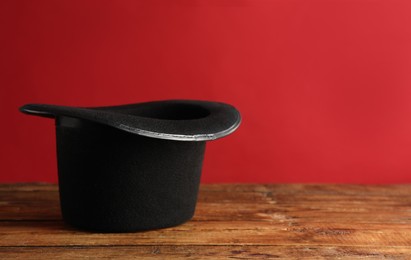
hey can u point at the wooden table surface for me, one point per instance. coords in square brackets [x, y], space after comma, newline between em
[231, 221]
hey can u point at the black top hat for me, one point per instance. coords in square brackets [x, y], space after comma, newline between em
[133, 167]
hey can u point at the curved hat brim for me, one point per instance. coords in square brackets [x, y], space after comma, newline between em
[180, 120]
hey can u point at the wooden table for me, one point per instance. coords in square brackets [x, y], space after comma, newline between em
[231, 221]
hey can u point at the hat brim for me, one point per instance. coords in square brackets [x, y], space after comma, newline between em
[180, 120]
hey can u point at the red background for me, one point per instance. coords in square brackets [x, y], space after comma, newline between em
[324, 87]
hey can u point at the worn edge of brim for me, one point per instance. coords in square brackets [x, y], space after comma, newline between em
[178, 137]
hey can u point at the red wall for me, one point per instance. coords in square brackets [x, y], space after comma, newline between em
[324, 87]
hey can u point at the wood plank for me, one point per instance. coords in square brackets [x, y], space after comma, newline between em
[205, 252]
[30, 187]
[211, 233]
[330, 204]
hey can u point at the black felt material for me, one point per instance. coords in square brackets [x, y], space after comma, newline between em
[112, 179]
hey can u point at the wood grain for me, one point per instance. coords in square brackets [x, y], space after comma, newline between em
[290, 221]
[206, 252]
